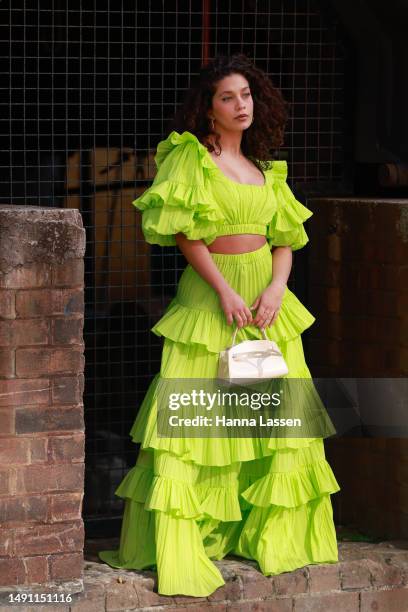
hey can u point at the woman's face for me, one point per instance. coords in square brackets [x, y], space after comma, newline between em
[231, 99]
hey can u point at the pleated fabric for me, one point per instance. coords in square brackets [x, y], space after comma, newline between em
[189, 501]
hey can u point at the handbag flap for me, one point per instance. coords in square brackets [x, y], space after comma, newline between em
[253, 345]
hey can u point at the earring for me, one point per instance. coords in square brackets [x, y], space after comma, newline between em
[212, 124]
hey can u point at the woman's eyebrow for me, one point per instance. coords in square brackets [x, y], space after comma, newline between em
[229, 91]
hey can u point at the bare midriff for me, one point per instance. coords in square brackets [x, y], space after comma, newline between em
[238, 243]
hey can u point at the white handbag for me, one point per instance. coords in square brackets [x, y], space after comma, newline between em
[251, 360]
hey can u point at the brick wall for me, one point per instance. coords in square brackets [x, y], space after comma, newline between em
[358, 291]
[41, 387]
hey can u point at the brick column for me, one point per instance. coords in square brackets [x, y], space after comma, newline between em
[41, 387]
[358, 280]
[358, 287]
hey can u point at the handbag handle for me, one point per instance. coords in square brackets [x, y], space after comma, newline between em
[235, 334]
[256, 354]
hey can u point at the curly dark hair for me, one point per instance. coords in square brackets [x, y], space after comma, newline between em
[271, 110]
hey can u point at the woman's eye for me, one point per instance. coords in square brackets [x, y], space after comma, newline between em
[229, 97]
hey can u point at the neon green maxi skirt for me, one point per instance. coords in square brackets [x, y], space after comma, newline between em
[189, 501]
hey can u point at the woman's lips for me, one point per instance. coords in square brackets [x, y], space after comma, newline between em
[242, 117]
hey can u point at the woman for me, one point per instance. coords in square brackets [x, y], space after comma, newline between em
[219, 198]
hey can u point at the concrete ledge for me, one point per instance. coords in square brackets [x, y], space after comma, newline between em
[367, 577]
[31, 234]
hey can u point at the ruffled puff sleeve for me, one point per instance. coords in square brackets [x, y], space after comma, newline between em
[286, 227]
[178, 199]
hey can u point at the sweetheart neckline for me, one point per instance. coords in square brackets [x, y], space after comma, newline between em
[230, 180]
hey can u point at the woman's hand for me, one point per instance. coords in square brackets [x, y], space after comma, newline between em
[234, 307]
[268, 305]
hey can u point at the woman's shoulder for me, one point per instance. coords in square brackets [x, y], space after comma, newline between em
[278, 169]
[182, 145]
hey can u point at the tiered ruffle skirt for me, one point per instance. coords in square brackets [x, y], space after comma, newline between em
[189, 501]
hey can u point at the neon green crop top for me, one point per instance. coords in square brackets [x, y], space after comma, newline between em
[190, 194]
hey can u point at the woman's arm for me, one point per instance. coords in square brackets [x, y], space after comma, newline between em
[197, 254]
[281, 265]
[269, 302]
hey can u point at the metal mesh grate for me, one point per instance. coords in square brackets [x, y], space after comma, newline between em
[91, 87]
